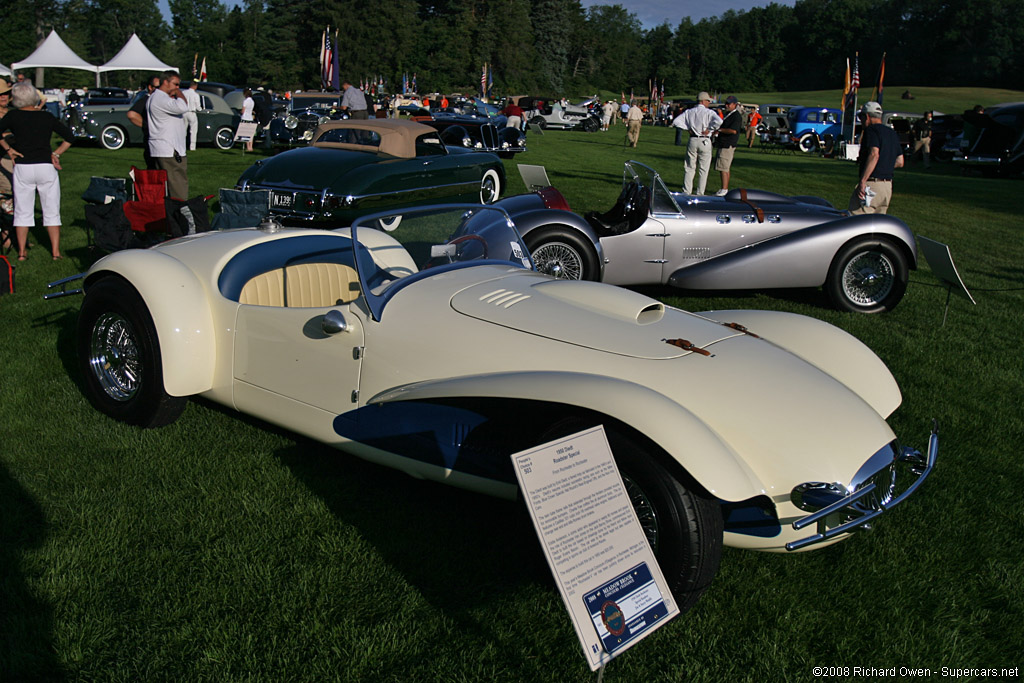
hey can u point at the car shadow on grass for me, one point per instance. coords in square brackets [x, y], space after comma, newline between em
[26, 622]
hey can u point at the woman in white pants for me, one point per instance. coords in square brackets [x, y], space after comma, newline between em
[35, 164]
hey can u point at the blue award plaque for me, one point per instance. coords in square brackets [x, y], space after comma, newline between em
[625, 607]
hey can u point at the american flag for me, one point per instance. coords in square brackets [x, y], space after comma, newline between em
[326, 60]
[855, 78]
[483, 82]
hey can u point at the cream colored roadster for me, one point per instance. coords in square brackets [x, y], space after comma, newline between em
[435, 348]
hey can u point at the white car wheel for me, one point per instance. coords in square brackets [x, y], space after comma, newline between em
[113, 137]
[490, 187]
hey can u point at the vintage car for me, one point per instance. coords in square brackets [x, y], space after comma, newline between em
[477, 132]
[814, 128]
[748, 239]
[306, 111]
[355, 167]
[998, 147]
[105, 95]
[545, 114]
[435, 349]
[109, 124]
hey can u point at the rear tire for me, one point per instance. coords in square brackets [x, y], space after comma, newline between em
[807, 143]
[563, 254]
[119, 357]
[224, 138]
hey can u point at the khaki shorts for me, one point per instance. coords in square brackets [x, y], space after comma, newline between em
[723, 161]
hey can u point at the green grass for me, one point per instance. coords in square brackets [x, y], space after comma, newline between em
[221, 548]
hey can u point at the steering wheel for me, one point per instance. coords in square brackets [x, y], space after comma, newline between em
[468, 238]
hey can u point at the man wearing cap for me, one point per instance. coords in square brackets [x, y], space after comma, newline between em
[701, 122]
[725, 142]
[880, 154]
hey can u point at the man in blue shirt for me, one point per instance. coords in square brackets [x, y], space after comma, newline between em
[353, 101]
[880, 155]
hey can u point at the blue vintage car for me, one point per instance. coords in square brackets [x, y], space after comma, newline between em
[814, 128]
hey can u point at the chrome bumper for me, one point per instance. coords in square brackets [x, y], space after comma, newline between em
[879, 492]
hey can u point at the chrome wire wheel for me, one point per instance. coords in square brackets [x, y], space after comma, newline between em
[645, 511]
[868, 278]
[559, 260]
[114, 357]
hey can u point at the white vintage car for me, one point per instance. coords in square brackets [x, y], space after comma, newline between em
[435, 348]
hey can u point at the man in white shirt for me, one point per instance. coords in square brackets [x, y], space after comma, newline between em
[165, 110]
[701, 122]
[191, 117]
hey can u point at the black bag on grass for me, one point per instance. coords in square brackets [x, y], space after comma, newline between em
[187, 218]
[110, 227]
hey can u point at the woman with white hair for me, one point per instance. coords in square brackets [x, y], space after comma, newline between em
[35, 163]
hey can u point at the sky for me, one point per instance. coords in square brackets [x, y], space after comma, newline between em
[651, 13]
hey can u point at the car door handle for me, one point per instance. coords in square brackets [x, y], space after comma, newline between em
[724, 218]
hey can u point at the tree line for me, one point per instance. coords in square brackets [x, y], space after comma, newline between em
[541, 46]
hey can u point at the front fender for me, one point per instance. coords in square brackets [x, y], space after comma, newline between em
[797, 259]
[696, 447]
[178, 304]
[828, 348]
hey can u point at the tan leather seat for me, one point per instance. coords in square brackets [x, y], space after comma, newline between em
[307, 285]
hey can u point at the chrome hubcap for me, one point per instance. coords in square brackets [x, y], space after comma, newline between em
[558, 260]
[868, 278]
[487, 193]
[114, 357]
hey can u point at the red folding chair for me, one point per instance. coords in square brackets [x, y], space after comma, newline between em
[147, 212]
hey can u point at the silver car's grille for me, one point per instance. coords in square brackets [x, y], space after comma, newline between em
[504, 298]
[696, 253]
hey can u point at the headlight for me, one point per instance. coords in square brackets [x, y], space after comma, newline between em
[290, 122]
[323, 119]
[505, 145]
[479, 145]
[467, 141]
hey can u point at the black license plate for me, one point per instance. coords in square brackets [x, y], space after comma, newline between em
[281, 201]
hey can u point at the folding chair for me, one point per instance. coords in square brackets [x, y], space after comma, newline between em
[147, 212]
[241, 208]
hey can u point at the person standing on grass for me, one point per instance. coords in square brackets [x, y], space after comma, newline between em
[166, 109]
[880, 155]
[35, 164]
[138, 117]
[701, 122]
[725, 141]
[634, 119]
[192, 115]
[248, 108]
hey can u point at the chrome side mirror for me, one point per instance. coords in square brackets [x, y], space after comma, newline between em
[333, 322]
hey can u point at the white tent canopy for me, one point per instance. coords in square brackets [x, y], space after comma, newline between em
[53, 52]
[135, 56]
[5, 71]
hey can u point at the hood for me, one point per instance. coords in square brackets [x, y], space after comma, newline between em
[308, 168]
[602, 318]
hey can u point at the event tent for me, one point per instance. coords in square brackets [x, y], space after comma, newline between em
[5, 71]
[135, 56]
[54, 52]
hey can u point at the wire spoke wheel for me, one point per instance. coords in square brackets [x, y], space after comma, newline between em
[114, 357]
[868, 278]
[559, 260]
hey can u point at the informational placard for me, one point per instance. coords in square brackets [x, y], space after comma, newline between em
[246, 131]
[606, 572]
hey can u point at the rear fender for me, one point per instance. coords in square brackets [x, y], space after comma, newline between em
[178, 304]
[797, 259]
[698, 449]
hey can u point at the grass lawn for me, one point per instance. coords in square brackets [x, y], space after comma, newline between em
[220, 548]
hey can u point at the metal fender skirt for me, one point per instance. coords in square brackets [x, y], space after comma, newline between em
[886, 480]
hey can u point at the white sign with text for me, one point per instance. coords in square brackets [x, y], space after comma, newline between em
[605, 570]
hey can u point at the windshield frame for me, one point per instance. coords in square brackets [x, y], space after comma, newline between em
[377, 289]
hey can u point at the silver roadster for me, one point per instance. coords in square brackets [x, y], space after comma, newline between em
[748, 239]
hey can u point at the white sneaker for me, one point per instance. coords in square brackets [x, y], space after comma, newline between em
[722, 192]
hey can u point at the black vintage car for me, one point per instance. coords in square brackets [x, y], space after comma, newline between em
[998, 146]
[477, 132]
[306, 111]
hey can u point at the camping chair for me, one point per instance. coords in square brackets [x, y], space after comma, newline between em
[147, 212]
[241, 208]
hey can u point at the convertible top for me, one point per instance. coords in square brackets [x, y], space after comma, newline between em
[393, 136]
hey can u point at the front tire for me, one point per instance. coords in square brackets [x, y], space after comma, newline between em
[867, 276]
[224, 138]
[563, 254]
[682, 524]
[119, 357]
[490, 187]
[113, 137]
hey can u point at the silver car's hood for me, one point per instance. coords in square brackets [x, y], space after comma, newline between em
[587, 314]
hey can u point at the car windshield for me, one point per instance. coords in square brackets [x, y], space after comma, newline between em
[324, 102]
[662, 201]
[396, 249]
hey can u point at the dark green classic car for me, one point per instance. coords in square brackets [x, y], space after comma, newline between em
[356, 167]
[108, 124]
